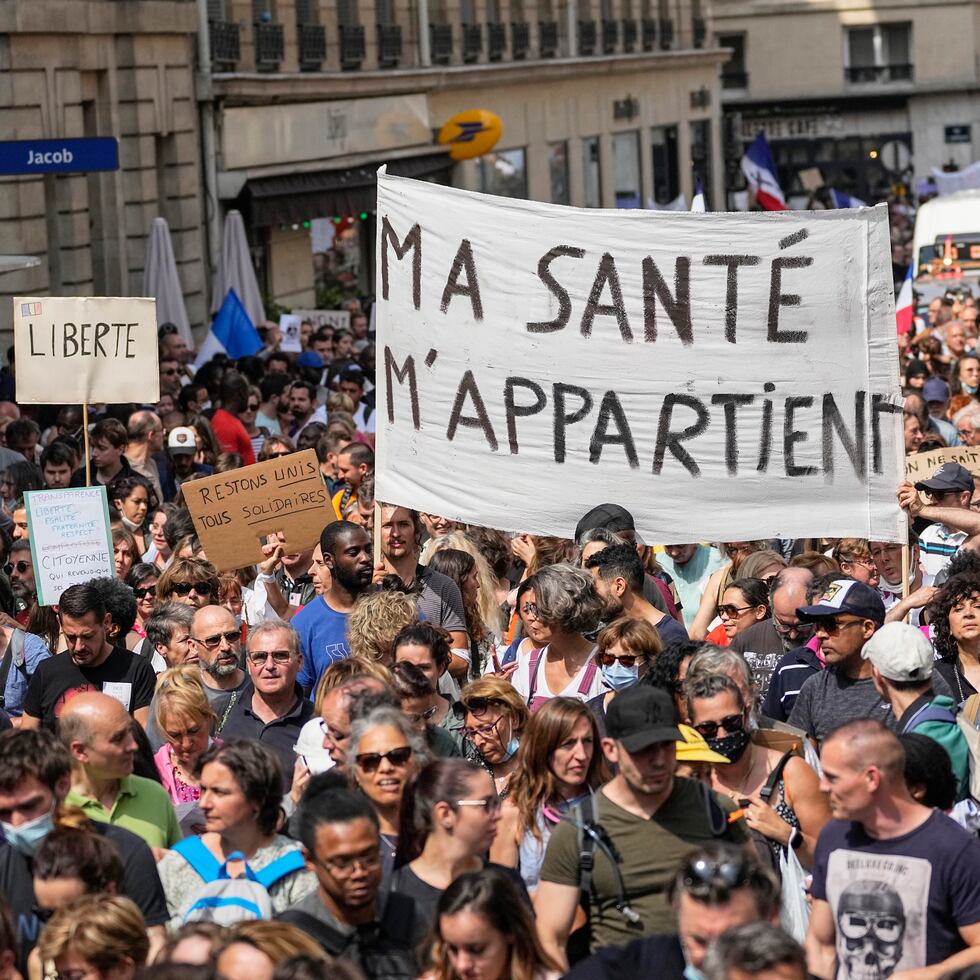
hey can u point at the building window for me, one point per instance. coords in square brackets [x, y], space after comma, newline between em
[504, 173]
[263, 11]
[701, 154]
[591, 172]
[666, 180]
[558, 170]
[733, 73]
[882, 53]
[626, 165]
[347, 13]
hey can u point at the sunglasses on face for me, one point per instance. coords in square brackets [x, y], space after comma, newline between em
[371, 761]
[476, 706]
[277, 455]
[145, 590]
[731, 723]
[731, 611]
[253, 406]
[833, 626]
[21, 566]
[279, 657]
[213, 642]
[628, 660]
[201, 588]
[416, 718]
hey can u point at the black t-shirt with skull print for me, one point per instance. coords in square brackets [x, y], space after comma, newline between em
[898, 904]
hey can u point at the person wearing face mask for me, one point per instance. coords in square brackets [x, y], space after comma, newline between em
[967, 375]
[35, 777]
[494, 718]
[796, 811]
[626, 649]
[888, 559]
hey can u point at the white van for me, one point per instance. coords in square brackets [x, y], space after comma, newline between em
[946, 244]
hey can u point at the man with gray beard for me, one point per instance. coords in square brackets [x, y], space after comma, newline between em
[217, 638]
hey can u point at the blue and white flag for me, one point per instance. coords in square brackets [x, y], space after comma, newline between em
[698, 203]
[841, 200]
[231, 333]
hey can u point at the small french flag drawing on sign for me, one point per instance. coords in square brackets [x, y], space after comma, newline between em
[30, 309]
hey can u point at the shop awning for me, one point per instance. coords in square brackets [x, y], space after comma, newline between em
[294, 198]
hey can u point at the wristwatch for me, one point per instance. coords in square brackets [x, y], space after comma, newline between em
[796, 839]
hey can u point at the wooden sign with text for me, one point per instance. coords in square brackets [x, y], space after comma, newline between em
[921, 466]
[234, 511]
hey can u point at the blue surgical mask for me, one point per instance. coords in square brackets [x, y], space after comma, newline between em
[512, 746]
[619, 677]
[28, 836]
[970, 389]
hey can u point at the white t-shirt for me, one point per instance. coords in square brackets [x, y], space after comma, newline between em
[522, 680]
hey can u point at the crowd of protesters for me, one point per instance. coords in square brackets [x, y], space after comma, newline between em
[490, 755]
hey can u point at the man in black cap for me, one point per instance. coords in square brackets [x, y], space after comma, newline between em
[949, 490]
[612, 517]
[847, 615]
[642, 823]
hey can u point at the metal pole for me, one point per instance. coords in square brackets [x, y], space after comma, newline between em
[425, 56]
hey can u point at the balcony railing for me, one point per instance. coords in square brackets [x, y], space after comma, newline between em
[441, 43]
[610, 36]
[587, 37]
[666, 26]
[496, 41]
[472, 42]
[268, 46]
[547, 38]
[226, 43]
[520, 40]
[699, 31]
[630, 34]
[351, 46]
[389, 45]
[312, 40]
[649, 35]
[734, 79]
[879, 73]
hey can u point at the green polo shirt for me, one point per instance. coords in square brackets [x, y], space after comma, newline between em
[142, 807]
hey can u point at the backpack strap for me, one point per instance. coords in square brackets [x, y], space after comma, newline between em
[532, 673]
[193, 851]
[777, 773]
[250, 875]
[587, 677]
[4, 673]
[282, 866]
[332, 940]
[586, 842]
[930, 712]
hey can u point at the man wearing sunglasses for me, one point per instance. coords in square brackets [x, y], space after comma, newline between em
[847, 615]
[217, 638]
[20, 571]
[896, 885]
[650, 819]
[273, 709]
[717, 888]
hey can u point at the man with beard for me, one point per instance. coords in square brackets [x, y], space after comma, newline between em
[302, 407]
[618, 575]
[322, 623]
[22, 584]
[217, 638]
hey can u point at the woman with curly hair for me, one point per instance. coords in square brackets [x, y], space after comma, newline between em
[565, 604]
[374, 622]
[559, 763]
[955, 613]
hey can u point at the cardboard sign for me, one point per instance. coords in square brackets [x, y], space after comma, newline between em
[70, 538]
[338, 319]
[722, 376]
[234, 511]
[81, 349]
[290, 327]
[921, 466]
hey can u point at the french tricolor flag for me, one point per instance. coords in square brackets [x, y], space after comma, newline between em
[842, 200]
[905, 304]
[760, 171]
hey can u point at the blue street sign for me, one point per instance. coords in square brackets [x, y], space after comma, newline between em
[59, 156]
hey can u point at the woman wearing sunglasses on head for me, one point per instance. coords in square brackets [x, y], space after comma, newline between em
[191, 581]
[854, 557]
[745, 603]
[142, 578]
[561, 762]
[796, 812]
[494, 716]
[384, 751]
[449, 821]
[625, 650]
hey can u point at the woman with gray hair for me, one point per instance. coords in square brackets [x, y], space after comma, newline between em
[565, 605]
[384, 753]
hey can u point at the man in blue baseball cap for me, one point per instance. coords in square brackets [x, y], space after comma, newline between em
[949, 488]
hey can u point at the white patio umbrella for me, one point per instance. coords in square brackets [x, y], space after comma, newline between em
[236, 272]
[161, 281]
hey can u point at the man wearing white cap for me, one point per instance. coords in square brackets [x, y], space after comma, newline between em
[901, 664]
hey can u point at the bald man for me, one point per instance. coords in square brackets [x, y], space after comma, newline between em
[217, 639]
[896, 885]
[98, 733]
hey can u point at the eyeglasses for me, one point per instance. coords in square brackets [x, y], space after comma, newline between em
[279, 657]
[143, 591]
[342, 867]
[731, 723]
[732, 611]
[21, 566]
[334, 734]
[370, 761]
[832, 626]
[201, 588]
[213, 642]
[482, 731]
[788, 629]
[628, 660]
[863, 562]
[475, 706]
[417, 717]
[703, 876]
[492, 803]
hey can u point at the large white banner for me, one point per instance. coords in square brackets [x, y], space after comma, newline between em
[722, 376]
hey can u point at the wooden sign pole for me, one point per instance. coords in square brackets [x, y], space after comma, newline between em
[88, 457]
